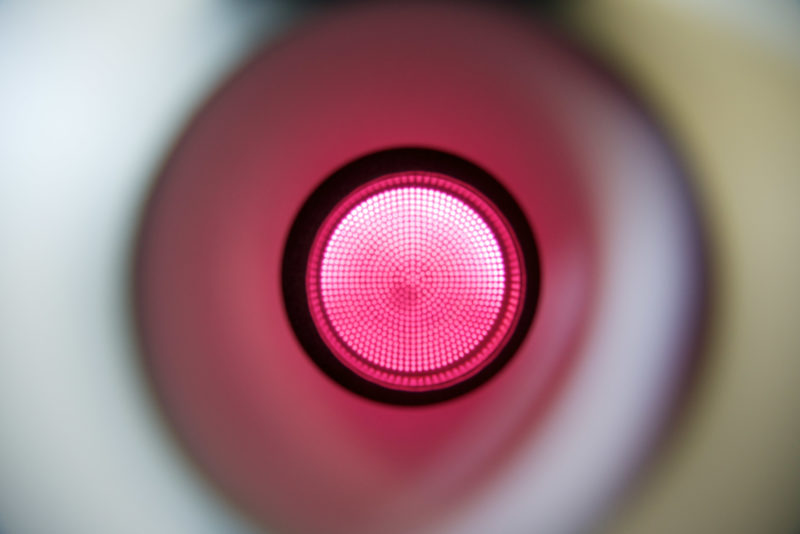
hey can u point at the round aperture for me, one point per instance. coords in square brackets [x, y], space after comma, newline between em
[405, 280]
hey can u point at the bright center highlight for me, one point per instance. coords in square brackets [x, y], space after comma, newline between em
[414, 281]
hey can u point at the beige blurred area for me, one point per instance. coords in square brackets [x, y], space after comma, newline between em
[724, 78]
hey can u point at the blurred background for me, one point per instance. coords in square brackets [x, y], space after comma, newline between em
[671, 130]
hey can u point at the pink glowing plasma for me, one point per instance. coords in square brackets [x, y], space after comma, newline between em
[415, 281]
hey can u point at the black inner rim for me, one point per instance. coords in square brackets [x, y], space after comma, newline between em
[328, 195]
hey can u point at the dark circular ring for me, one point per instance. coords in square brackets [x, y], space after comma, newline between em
[328, 195]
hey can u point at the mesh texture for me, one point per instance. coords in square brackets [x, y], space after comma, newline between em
[414, 281]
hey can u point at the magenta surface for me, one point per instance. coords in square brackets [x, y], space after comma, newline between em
[415, 281]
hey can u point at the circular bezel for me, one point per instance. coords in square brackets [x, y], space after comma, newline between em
[312, 225]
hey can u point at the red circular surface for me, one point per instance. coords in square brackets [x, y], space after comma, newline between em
[415, 281]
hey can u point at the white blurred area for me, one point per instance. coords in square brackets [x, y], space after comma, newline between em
[91, 96]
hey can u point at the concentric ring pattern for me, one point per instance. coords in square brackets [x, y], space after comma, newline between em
[415, 281]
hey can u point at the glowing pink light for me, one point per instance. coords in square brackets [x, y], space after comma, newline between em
[415, 281]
